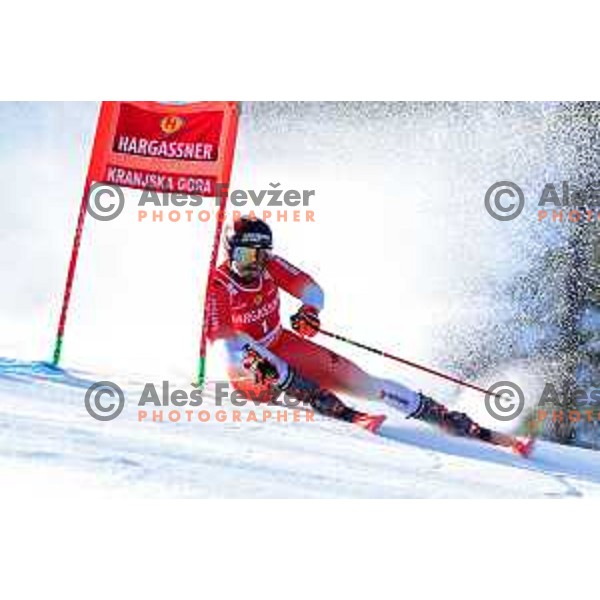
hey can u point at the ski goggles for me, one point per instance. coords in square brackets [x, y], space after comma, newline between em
[244, 255]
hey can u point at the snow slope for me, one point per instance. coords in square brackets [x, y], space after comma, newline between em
[50, 445]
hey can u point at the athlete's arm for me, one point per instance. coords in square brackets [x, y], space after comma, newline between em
[296, 282]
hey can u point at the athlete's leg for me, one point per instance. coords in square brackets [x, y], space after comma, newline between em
[338, 374]
[282, 377]
[312, 372]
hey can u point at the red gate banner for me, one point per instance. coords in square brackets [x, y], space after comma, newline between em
[176, 148]
[170, 148]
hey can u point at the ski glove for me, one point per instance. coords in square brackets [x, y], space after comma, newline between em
[306, 321]
[264, 372]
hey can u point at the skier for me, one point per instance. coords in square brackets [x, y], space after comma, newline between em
[264, 359]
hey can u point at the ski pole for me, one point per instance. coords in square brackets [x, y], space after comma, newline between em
[409, 363]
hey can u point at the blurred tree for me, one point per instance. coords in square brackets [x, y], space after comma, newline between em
[574, 142]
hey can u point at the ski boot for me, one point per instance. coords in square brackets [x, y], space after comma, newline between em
[451, 421]
[460, 424]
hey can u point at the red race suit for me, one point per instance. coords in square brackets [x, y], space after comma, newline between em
[240, 314]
